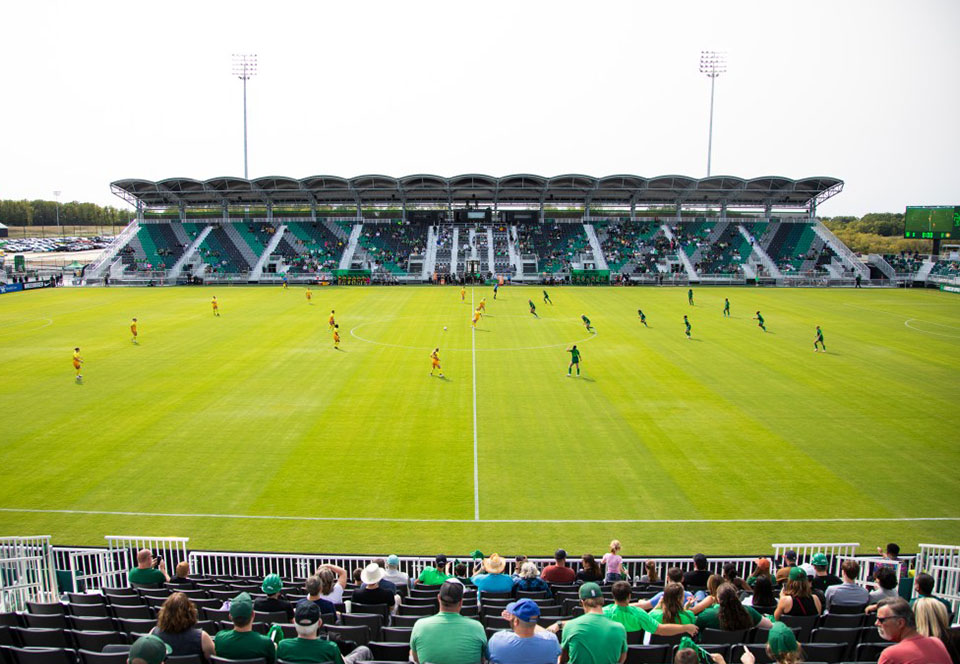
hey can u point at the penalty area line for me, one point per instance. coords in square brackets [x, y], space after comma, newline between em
[273, 517]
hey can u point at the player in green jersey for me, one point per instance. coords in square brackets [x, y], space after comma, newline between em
[819, 340]
[687, 323]
[574, 359]
[546, 298]
[726, 307]
[533, 308]
[643, 318]
[759, 320]
[690, 296]
[586, 323]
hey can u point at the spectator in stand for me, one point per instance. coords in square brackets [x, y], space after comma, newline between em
[525, 642]
[148, 649]
[181, 575]
[670, 608]
[761, 568]
[372, 592]
[493, 580]
[797, 598]
[308, 647]
[708, 598]
[892, 553]
[782, 647]
[242, 642]
[448, 637]
[933, 620]
[730, 575]
[729, 614]
[674, 575]
[613, 563]
[177, 627]
[393, 573]
[699, 575]
[847, 593]
[895, 622]
[435, 576]
[634, 619]
[385, 583]
[590, 571]
[150, 572]
[924, 587]
[355, 575]
[461, 573]
[333, 580]
[529, 580]
[591, 638]
[558, 572]
[887, 583]
[821, 578]
[650, 575]
[271, 587]
[763, 599]
[313, 587]
[789, 561]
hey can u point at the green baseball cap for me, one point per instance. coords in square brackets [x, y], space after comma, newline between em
[819, 560]
[150, 649]
[241, 606]
[272, 584]
[797, 573]
[590, 590]
[476, 553]
[781, 639]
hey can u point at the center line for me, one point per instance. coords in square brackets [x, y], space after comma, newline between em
[476, 469]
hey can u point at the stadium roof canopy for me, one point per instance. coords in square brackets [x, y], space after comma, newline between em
[482, 190]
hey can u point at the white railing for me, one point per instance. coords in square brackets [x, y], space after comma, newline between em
[942, 562]
[27, 572]
[833, 552]
[868, 568]
[843, 250]
[87, 567]
[118, 243]
[122, 555]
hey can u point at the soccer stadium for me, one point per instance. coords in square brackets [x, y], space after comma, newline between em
[480, 418]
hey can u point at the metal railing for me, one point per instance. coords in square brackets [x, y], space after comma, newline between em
[806, 551]
[27, 572]
[122, 555]
[942, 562]
[87, 567]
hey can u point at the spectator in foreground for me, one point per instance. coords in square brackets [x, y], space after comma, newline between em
[384, 583]
[177, 627]
[271, 587]
[526, 642]
[709, 598]
[590, 571]
[448, 637]
[148, 649]
[933, 620]
[761, 568]
[307, 647]
[558, 572]
[895, 622]
[789, 561]
[493, 580]
[635, 620]
[847, 593]
[670, 609]
[822, 579]
[242, 642]
[650, 573]
[529, 580]
[333, 579]
[887, 583]
[591, 638]
[150, 572]
[313, 587]
[393, 573]
[924, 588]
[181, 575]
[435, 576]
[674, 575]
[729, 614]
[763, 599]
[699, 575]
[782, 647]
[372, 592]
[797, 598]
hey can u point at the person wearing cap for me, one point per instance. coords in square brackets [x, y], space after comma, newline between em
[634, 619]
[591, 638]
[493, 580]
[393, 574]
[797, 598]
[689, 652]
[148, 649]
[896, 622]
[435, 576]
[526, 642]
[145, 575]
[782, 646]
[271, 586]
[848, 593]
[306, 647]
[822, 579]
[371, 591]
[761, 567]
[559, 572]
[242, 642]
[448, 637]
[789, 560]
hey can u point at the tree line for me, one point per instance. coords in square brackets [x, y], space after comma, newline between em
[74, 213]
[874, 233]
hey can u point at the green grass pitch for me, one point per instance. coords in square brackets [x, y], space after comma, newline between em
[724, 443]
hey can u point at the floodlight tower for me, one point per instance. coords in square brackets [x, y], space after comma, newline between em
[56, 195]
[245, 68]
[712, 63]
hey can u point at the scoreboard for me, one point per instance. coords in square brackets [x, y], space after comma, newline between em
[932, 223]
[474, 216]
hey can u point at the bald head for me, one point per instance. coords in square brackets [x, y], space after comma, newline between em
[144, 558]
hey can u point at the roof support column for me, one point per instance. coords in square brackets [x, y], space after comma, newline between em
[269, 212]
[359, 212]
[313, 211]
[679, 216]
[403, 210]
[767, 210]
[140, 211]
[723, 211]
[225, 210]
[633, 212]
[182, 210]
[541, 211]
[813, 209]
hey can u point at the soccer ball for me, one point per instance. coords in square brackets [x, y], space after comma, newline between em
[444, 328]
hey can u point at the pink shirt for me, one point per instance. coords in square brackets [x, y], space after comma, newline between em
[612, 561]
[916, 650]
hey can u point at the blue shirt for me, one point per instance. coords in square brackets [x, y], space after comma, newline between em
[493, 583]
[687, 596]
[508, 648]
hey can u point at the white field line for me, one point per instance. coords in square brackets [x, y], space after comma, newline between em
[476, 466]
[274, 517]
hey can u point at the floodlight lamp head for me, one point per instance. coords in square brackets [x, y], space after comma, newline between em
[245, 65]
[713, 63]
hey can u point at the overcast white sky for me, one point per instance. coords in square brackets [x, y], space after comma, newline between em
[867, 91]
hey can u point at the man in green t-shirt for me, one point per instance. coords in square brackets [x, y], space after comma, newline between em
[150, 572]
[242, 642]
[635, 619]
[434, 576]
[448, 637]
[592, 638]
[307, 647]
